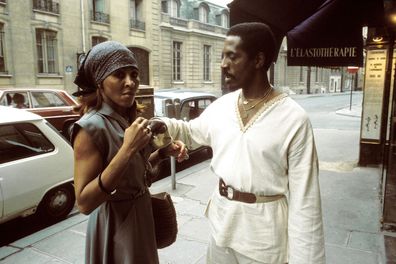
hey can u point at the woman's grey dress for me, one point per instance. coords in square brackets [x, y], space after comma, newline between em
[121, 230]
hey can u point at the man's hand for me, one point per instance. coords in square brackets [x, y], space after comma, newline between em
[176, 149]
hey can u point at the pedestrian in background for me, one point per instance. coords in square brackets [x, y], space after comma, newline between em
[112, 150]
[267, 207]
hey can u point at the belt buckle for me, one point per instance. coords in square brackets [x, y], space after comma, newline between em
[227, 191]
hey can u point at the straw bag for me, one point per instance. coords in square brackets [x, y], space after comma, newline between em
[164, 219]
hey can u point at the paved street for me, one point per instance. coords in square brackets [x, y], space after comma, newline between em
[350, 199]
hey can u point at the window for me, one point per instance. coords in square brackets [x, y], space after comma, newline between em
[301, 74]
[177, 55]
[224, 20]
[136, 13]
[171, 7]
[206, 63]
[23, 140]
[46, 51]
[97, 40]
[193, 108]
[98, 12]
[2, 49]
[164, 6]
[17, 100]
[203, 14]
[174, 8]
[143, 57]
[46, 99]
[51, 6]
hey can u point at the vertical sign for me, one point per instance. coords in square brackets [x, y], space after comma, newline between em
[373, 94]
[391, 94]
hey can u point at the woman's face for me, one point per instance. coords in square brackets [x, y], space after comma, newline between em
[119, 88]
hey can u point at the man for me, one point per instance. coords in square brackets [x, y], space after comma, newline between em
[267, 206]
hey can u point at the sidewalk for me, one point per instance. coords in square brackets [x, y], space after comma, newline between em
[350, 201]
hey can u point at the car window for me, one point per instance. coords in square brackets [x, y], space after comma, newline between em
[192, 109]
[203, 103]
[15, 99]
[22, 140]
[46, 99]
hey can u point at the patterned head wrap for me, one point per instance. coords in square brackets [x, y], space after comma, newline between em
[101, 61]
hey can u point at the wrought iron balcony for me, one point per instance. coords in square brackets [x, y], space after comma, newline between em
[45, 5]
[100, 17]
[136, 24]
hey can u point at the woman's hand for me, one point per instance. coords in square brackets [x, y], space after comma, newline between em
[176, 149]
[137, 135]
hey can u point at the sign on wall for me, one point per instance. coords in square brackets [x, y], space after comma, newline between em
[373, 94]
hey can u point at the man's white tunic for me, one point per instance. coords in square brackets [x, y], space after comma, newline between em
[273, 154]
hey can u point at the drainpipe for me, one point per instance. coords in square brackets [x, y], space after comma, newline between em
[82, 24]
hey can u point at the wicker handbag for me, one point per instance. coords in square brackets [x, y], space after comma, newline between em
[164, 219]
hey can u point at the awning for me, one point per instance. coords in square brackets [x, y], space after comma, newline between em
[319, 32]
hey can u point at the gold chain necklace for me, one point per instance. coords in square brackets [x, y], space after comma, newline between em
[245, 101]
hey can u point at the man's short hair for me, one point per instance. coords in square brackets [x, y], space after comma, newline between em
[255, 37]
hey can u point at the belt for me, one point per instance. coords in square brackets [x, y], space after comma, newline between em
[231, 194]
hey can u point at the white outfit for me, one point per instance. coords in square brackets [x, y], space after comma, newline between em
[273, 154]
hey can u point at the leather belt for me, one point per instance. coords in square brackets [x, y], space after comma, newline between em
[231, 194]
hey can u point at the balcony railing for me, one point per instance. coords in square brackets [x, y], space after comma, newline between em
[205, 26]
[178, 22]
[46, 6]
[136, 24]
[100, 17]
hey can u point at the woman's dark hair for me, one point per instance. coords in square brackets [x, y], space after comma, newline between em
[255, 37]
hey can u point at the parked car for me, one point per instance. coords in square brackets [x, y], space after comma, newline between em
[57, 106]
[183, 104]
[36, 167]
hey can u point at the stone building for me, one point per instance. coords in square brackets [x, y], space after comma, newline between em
[177, 42]
[192, 37]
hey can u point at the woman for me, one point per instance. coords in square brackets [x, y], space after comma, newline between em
[112, 150]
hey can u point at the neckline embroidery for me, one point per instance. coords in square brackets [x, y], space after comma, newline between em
[263, 108]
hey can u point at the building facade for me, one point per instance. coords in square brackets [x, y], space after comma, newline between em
[192, 38]
[177, 43]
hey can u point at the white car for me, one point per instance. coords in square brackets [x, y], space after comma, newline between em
[36, 167]
[183, 104]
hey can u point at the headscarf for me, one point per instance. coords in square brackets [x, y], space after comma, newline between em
[101, 61]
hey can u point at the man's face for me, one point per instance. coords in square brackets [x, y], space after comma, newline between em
[236, 65]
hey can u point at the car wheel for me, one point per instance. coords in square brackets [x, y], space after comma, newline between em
[57, 203]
